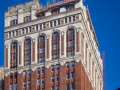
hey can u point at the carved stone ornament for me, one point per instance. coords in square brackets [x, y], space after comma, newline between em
[19, 71]
[48, 36]
[33, 69]
[62, 32]
[62, 63]
[33, 40]
[20, 43]
[77, 60]
[6, 74]
[47, 66]
[77, 29]
[6, 46]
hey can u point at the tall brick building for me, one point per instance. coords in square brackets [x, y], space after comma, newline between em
[51, 48]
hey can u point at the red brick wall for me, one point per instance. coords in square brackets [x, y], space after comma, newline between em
[77, 79]
[48, 79]
[34, 80]
[62, 80]
[20, 81]
[7, 83]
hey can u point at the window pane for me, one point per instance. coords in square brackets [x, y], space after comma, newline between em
[72, 74]
[38, 82]
[57, 78]
[24, 84]
[43, 70]
[67, 76]
[29, 72]
[52, 68]
[29, 83]
[38, 71]
[57, 67]
[73, 86]
[67, 65]
[52, 79]
[43, 80]
[67, 87]
[72, 64]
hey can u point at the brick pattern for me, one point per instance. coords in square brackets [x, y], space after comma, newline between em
[48, 79]
[20, 81]
[34, 80]
[7, 83]
[62, 80]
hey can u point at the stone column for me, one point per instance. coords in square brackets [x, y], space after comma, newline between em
[34, 51]
[62, 46]
[7, 56]
[48, 47]
[20, 54]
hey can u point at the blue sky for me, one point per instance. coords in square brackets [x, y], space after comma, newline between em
[105, 16]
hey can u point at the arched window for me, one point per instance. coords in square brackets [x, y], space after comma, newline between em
[41, 49]
[27, 52]
[70, 47]
[55, 46]
[14, 52]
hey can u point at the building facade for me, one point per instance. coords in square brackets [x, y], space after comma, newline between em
[51, 48]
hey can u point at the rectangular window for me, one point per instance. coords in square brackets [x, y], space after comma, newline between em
[43, 81]
[65, 20]
[73, 86]
[51, 24]
[67, 87]
[73, 18]
[52, 79]
[24, 73]
[57, 87]
[15, 86]
[41, 50]
[9, 34]
[40, 26]
[58, 22]
[69, 19]
[29, 72]
[26, 30]
[29, 83]
[23, 31]
[38, 82]
[52, 68]
[38, 71]
[36, 27]
[24, 84]
[12, 33]
[72, 74]
[16, 33]
[54, 23]
[43, 70]
[72, 64]
[57, 67]
[67, 76]
[41, 59]
[44, 25]
[67, 65]
[11, 87]
[57, 78]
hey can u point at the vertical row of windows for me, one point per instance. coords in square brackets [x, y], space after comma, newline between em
[14, 52]
[41, 49]
[27, 52]
[55, 46]
[70, 42]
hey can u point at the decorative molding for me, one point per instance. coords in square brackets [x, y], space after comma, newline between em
[6, 46]
[34, 40]
[62, 32]
[19, 71]
[33, 69]
[20, 42]
[77, 60]
[6, 74]
[47, 66]
[48, 36]
[62, 63]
